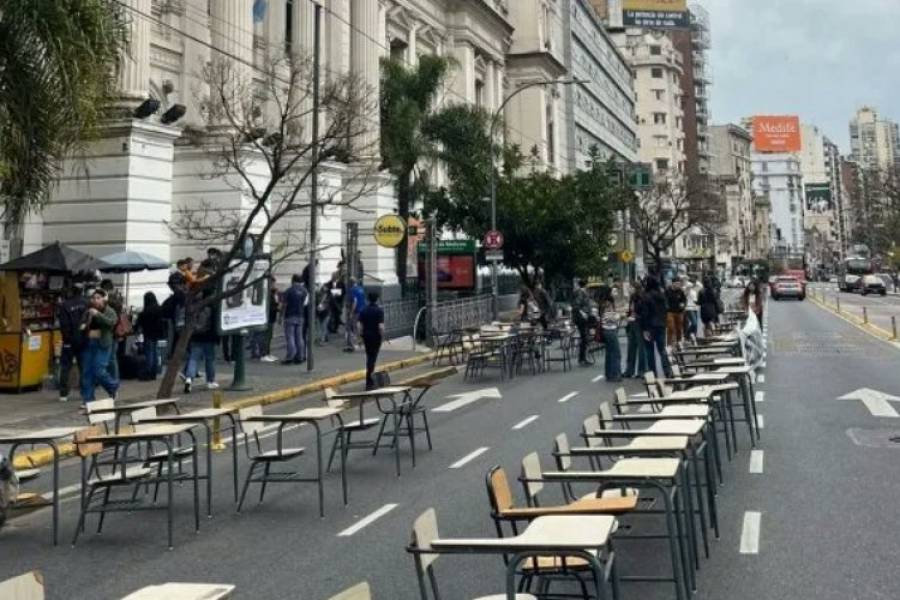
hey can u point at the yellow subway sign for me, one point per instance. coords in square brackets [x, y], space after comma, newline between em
[389, 231]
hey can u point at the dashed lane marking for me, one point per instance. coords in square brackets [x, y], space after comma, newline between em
[368, 520]
[567, 397]
[760, 396]
[761, 421]
[750, 532]
[469, 458]
[525, 422]
[598, 378]
[761, 378]
[756, 461]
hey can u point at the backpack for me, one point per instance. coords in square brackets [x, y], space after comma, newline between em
[203, 320]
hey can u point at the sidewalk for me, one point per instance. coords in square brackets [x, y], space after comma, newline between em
[42, 408]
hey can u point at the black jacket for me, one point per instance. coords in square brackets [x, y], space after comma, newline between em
[676, 300]
[709, 305]
[150, 323]
[70, 314]
[653, 310]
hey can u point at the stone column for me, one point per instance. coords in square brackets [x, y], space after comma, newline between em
[364, 55]
[134, 68]
[231, 23]
[304, 28]
[412, 56]
[490, 86]
[337, 22]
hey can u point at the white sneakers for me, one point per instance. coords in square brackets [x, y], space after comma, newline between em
[63, 398]
[269, 358]
[212, 385]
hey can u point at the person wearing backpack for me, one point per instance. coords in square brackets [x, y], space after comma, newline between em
[204, 341]
[70, 314]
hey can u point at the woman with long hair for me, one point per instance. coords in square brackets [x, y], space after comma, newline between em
[150, 323]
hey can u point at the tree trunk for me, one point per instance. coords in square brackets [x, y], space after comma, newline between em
[176, 361]
[404, 193]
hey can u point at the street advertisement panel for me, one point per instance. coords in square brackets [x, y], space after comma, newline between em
[776, 133]
[655, 14]
[456, 267]
[249, 307]
[818, 197]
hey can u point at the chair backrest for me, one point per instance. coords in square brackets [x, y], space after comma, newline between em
[563, 458]
[140, 414]
[425, 529]
[251, 427]
[664, 388]
[649, 379]
[29, 586]
[605, 416]
[83, 449]
[330, 393]
[498, 490]
[621, 398]
[360, 591]
[531, 469]
[676, 370]
[94, 417]
[591, 425]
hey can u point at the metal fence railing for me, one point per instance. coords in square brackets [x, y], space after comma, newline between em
[399, 316]
[459, 314]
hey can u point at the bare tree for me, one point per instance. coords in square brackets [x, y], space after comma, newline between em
[258, 134]
[669, 209]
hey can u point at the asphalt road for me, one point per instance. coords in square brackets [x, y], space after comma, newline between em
[824, 488]
[879, 309]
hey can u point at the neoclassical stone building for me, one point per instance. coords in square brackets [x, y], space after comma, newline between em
[141, 171]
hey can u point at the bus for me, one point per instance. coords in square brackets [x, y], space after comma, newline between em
[851, 272]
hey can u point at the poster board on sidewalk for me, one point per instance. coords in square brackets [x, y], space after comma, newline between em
[246, 309]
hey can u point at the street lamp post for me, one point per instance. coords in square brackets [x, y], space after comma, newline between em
[495, 118]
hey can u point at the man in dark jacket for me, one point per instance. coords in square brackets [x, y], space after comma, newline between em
[294, 315]
[70, 314]
[653, 310]
[581, 313]
[676, 300]
[98, 324]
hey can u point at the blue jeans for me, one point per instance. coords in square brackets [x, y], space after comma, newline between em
[151, 358]
[94, 362]
[636, 364]
[293, 337]
[613, 363]
[691, 322]
[207, 352]
[656, 344]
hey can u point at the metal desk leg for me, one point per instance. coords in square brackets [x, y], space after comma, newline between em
[319, 475]
[55, 449]
[196, 466]
[342, 441]
[397, 441]
[234, 454]
[169, 490]
[208, 469]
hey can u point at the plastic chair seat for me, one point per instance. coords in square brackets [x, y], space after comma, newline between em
[28, 474]
[284, 454]
[132, 473]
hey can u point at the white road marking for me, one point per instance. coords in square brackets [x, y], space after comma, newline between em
[763, 365]
[597, 378]
[761, 378]
[761, 420]
[750, 532]
[756, 461]
[525, 422]
[366, 521]
[469, 458]
[877, 402]
[467, 398]
[567, 397]
[760, 396]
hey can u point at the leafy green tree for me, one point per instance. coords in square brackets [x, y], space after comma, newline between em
[57, 75]
[407, 99]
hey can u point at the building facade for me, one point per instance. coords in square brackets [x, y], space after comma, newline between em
[600, 112]
[777, 176]
[874, 141]
[694, 45]
[731, 174]
[140, 174]
[820, 216]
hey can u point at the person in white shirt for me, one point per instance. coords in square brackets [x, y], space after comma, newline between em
[692, 310]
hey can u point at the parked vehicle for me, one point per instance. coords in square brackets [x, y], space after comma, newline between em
[872, 284]
[851, 273]
[788, 287]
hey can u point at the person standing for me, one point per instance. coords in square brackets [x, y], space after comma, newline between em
[70, 314]
[692, 311]
[294, 314]
[151, 325]
[261, 340]
[117, 303]
[356, 304]
[753, 300]
[636, 363]
[581, 312]
[336, 301]
[653, 326]
[204, 340]
[371, 329]
[676, 300]
[98, 324]
[609, 322]
[323, 312]
[545, 304]
[709, 306]
[527, 307]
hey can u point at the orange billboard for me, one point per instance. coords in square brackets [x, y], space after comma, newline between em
[776, 134]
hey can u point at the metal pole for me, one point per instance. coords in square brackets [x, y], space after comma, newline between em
[314, 189]
[865, 315]
[894, 327]
[432, 275]
[838, 301]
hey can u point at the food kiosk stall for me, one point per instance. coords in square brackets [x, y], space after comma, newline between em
[30, 288]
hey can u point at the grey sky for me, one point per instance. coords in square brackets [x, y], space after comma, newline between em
[820, 59]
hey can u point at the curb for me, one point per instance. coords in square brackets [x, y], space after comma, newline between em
[869, 328]
[44, 456]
